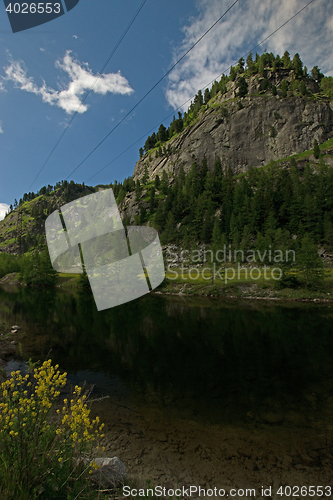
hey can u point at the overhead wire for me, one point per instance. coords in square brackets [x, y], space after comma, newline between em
[149, 91]
[90, 90]
[208, 84]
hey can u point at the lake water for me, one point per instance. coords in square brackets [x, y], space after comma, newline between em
[195, 382]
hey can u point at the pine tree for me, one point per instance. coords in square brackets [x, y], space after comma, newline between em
[216, 236]
[209, 184]
[261, 67]
[250, 65]
[326, 86]
[284, 88]
[157, 182]
[38, 270]
[162, 134]
[143, 214]
[286, 60]
[316, 149]
[145, 176]
[217, 180]
[316, 74]
[49, 275]
[207, 227]
[203, 173]
[277, 63]
[121, 196]
[206, 96]
[245, 243]
[308, 263]
[233, 74]
[302, 88]
[241, 65]
[138, 190]
[169, 234]
[159, 219]
[181, 176]
[242, 87]
[234, 233]
[164, 183]
[193, 182]
[328, 231]
[152, 199]
[297, 65]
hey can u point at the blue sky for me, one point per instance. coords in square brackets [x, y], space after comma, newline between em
[45, 71]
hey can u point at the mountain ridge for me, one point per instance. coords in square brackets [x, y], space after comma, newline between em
[248, 121]
[247, 131]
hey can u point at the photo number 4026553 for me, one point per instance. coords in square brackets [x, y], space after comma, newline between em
[25, 14]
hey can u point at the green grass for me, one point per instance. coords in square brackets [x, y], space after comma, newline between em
[68, 280]
[326, 145]
[242, 285]
[8, 242]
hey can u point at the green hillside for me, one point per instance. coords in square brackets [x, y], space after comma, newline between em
[193, 199]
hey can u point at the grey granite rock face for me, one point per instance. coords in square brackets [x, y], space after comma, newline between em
[267, 127]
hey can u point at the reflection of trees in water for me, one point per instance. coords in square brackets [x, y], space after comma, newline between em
[222, 356]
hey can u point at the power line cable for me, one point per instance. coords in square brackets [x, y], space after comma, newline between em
[188, 100]
[149, 91]
[262, 41]
[89, 91]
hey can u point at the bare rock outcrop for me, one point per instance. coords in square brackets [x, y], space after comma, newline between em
[245, 132]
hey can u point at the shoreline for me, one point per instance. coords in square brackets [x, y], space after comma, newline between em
[250, 290]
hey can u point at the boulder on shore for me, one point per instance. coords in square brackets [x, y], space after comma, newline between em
[110, 472]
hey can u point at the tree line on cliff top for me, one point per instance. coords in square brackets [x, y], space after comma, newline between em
[260, 66]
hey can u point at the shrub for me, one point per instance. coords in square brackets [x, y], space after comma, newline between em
[287, 281]
[43, 457]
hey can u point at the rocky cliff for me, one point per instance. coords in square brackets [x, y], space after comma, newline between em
[243, 132]
[248, 131]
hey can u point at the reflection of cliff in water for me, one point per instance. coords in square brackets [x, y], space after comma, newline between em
[227, 359]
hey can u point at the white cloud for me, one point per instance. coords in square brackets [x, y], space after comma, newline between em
[3, 210]
[310, 34]
[329, 23]
[42, 49]
[81, 79]
[1, 128]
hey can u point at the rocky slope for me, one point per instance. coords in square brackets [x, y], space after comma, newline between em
[247, 131]
[243, 132]
[28, 220]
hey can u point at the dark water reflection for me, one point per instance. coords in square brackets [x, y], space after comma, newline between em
[212, 358]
